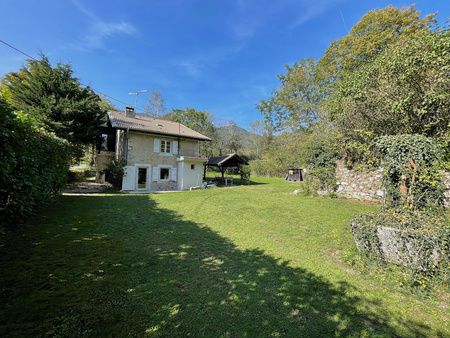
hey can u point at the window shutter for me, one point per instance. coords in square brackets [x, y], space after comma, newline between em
[174, 174]
[155, 174]
[175, 147]
[156, 145]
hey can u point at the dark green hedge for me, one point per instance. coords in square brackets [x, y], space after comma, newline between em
[33, 165]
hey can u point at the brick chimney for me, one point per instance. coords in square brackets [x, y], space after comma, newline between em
[129, 111]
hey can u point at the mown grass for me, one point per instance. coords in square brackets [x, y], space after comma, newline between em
[252, 261]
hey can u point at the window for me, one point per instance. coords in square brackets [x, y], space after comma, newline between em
[164, 174]
[104, 141]
[165, 146]
[192, 166]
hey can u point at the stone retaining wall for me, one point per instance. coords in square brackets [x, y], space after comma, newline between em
[362, 185]
[367, 185]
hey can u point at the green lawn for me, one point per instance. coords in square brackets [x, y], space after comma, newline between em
[253, 261]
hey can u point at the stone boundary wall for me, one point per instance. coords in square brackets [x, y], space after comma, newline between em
[367, 185]
[361, 185]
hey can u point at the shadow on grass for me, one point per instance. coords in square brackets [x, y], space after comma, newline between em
[236, 181]
[125, 266]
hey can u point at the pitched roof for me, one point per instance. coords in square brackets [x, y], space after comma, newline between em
[230, 160]
[153, 126]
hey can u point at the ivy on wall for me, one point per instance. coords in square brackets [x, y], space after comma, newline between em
[413, 174]
[411, 229]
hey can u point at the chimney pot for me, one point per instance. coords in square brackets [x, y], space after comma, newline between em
[129, 111]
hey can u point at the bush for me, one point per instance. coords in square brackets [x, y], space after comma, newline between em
[416, 240]
[245, 175]
[33, 165]
[320, 158]
[115, 171]
[411, 229]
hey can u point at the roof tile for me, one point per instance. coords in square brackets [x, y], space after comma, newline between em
[153, 125]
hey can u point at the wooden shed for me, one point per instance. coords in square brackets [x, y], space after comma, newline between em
[294, 174]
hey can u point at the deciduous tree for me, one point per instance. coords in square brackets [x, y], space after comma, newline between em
[405, 90]
[200, 121]
[375, 32]
[156, 106]
[296, 103]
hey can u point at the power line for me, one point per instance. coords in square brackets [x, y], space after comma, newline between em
[17, 49]
[97, 91]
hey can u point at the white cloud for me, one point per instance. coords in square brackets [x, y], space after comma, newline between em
[252, 16]
[313, 10]
[192, 67]
[249, 18]
[100, 30]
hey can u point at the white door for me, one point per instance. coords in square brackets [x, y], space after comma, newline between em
[128, 181]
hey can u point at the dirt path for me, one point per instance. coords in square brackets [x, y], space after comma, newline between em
[86, 187]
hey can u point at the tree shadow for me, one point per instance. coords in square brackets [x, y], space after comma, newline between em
[179, 278]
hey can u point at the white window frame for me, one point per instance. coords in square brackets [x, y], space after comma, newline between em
[160, 147]
[165, 147]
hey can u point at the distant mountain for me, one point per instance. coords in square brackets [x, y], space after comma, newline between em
[244, 137]
[229, 130]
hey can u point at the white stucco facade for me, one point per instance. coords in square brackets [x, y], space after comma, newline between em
[190, 172]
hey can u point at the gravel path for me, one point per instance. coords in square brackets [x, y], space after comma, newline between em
[86, 187]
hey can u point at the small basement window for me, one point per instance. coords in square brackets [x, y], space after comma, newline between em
[192, 166]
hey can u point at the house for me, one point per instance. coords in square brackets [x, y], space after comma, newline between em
[161, 155]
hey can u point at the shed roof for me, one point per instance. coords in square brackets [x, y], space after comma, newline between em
[230, 160]
[153, 126]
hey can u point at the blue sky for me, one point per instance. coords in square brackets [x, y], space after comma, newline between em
[216, 55]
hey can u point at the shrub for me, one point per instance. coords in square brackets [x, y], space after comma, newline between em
[245, 175]
[416, 240]
[115, 171]
[320, 158]
[332, 195]
[411, 229]
[33, 165]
